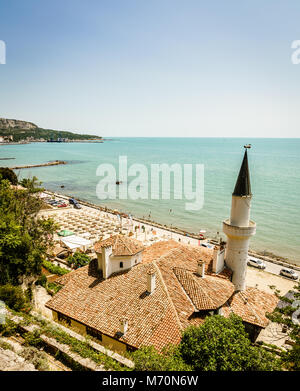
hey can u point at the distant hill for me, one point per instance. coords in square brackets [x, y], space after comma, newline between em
[28, 131]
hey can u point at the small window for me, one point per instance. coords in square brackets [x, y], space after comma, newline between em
[94, 333]
[130, 348]
[121, 264]
[64, 319]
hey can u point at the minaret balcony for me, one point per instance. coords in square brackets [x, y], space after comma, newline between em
[239, 232]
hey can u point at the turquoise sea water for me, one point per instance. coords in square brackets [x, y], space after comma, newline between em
[274, 168]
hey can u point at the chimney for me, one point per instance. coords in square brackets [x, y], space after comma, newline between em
[150, 281]
[201, 269]
[218, 258]
[105, 261]
[124, 325]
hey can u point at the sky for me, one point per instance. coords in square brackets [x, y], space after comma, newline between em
[140, 68]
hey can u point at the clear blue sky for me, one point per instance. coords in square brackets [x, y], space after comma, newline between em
[152, 67]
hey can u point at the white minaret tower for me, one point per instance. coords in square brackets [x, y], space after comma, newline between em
[239, 228]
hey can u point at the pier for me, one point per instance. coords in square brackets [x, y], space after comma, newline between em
[55, 163]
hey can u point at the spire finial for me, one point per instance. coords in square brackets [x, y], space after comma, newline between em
[242, 186]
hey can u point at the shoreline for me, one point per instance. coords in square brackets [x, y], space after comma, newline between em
[267, 256]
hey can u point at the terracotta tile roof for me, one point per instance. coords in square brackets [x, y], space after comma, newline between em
[159, 318]
[121, 245]
[185, 257]
[208, 293]
[158, 249]
[98, 303]
[251, 305]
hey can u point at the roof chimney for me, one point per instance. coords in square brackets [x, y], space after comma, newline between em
[201, 269]
[150, 281]
[124, 325]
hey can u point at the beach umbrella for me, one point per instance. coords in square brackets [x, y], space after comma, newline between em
[65, 232]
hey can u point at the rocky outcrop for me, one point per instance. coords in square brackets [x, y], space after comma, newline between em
[16, 124]
[10, 361]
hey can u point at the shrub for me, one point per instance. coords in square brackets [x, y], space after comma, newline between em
[9, 328]
[149, 359]
[33, 339]
[7, 173]
[6, 346]
[54, 269]
[13, 297]
[53, 288]
[78, 260]
[37, 358]
[221, 344]
[42, 280]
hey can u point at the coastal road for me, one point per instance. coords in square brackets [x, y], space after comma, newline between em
[273, 268]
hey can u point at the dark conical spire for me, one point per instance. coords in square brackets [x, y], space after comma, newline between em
[242, 186]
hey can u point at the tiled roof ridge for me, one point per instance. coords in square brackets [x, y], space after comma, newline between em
[185, 293]
[161, 257]
[189, 292]
[119, 238]
[251, 308]
[115, 241]
[168, 295]
[173, 250]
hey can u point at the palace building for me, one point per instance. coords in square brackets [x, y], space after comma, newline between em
[132, 296]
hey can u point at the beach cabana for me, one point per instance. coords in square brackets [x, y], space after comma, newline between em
[74, 242]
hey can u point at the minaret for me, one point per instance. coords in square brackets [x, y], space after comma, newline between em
[239, 228]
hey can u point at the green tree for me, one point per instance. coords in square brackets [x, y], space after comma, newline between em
[32, 184]
[147, 358]
[7, 173]
[283, 315]
[78, 259]
[24, 237]
[13, 297]
[221, 344]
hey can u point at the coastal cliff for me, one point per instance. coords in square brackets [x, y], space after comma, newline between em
[16, 124]
[18, 131]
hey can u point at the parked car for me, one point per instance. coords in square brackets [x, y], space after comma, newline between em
[289, 273]
[75, 203]
[256, 263]
[62, 205]
[51, 202]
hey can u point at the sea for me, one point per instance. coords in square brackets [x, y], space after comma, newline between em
[274, 169]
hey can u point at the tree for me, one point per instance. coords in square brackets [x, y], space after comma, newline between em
[221, 344]
[78, 259]
[147, 358]
[32, 184]
[14, 297]
[24, 237]
[286, 316]
[7, 173]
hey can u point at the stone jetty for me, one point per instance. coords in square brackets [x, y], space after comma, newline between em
[54, 163]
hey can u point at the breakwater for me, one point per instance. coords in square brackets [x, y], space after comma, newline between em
[54, 163]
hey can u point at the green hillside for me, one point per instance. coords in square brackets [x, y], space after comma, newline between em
[39, 133]
[22, 131]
